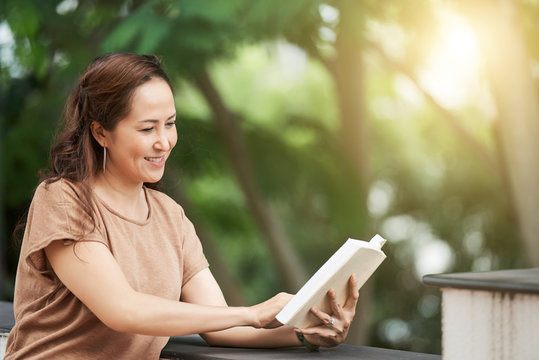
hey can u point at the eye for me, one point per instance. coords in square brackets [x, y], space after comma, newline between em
[146, 130]
[170, 124]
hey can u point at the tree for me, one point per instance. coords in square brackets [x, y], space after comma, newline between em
[305, 180]
[516, 95]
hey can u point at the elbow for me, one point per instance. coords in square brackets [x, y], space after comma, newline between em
[120, 324]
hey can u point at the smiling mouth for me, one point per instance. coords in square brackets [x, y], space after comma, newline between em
[155, 159]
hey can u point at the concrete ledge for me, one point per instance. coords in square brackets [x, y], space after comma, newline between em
[517, 280]
[193, 347]
[489, 315]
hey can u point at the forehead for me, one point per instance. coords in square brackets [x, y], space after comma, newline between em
[152, 97]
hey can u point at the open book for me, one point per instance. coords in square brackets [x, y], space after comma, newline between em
[357, 257]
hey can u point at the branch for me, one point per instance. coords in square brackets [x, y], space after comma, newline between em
[450, 118]
[292, 272]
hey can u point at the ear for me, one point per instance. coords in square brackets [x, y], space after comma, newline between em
[99, 133]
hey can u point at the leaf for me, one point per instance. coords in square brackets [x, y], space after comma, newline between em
[23, 19]
[157, 29]
[122, 35]
[209, 10]
[126, 31]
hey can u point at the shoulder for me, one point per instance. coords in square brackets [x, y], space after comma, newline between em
[57, 191]
[61, 196]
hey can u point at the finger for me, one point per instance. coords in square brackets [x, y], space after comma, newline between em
[320, 314]
[323, 336]
[335, 306]
[338, 312]
[353, 287]
[321, 331]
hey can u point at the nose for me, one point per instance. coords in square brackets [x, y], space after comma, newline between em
[162, 142]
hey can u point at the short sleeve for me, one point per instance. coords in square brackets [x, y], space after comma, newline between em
[57, 213]
[193, 254]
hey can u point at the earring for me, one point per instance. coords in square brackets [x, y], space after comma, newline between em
[104, 157]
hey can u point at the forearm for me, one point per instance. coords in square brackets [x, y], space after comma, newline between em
[150, 315]
[250, 337]
[107, 293]
[203, 289]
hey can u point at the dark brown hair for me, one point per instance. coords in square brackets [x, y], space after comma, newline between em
[103, 94]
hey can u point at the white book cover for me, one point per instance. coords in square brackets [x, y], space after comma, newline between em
[357, 257]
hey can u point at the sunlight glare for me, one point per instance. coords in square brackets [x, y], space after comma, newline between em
[67, 6]
[7, 44]
[452, 72]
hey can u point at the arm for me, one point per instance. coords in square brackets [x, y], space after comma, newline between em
[91, 273]
[203, 289]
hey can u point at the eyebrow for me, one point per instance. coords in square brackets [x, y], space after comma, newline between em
[155, 120]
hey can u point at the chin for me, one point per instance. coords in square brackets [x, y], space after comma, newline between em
[152, 179]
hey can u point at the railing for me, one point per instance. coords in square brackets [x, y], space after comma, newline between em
[485, 315]
[6, 323]
[193, 347]
[489, 315]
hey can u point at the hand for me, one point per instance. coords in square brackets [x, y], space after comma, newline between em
[264, 313]
[333, 332]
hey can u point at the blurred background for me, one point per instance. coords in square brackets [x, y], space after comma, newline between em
[302, 123]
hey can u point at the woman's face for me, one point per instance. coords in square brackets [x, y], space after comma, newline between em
[140, 144]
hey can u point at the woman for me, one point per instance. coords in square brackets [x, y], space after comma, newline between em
[105, 257]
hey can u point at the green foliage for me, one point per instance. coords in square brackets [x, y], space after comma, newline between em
[437, 191]
[23, 18]
[143, 27]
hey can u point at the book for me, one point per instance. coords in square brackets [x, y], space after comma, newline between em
[357, 257]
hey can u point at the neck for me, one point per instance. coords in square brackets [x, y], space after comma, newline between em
[120, 188]
[127, 198]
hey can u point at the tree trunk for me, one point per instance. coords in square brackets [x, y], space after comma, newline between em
[227, 282]
[517, 99]
[349, 80]
[288, 263]
[347, 69]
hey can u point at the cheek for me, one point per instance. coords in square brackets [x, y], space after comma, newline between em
[136, 150]
[173, 140]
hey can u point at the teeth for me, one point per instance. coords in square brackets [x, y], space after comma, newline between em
[155, 159]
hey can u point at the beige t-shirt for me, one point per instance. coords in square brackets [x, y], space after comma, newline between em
[157, 256]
